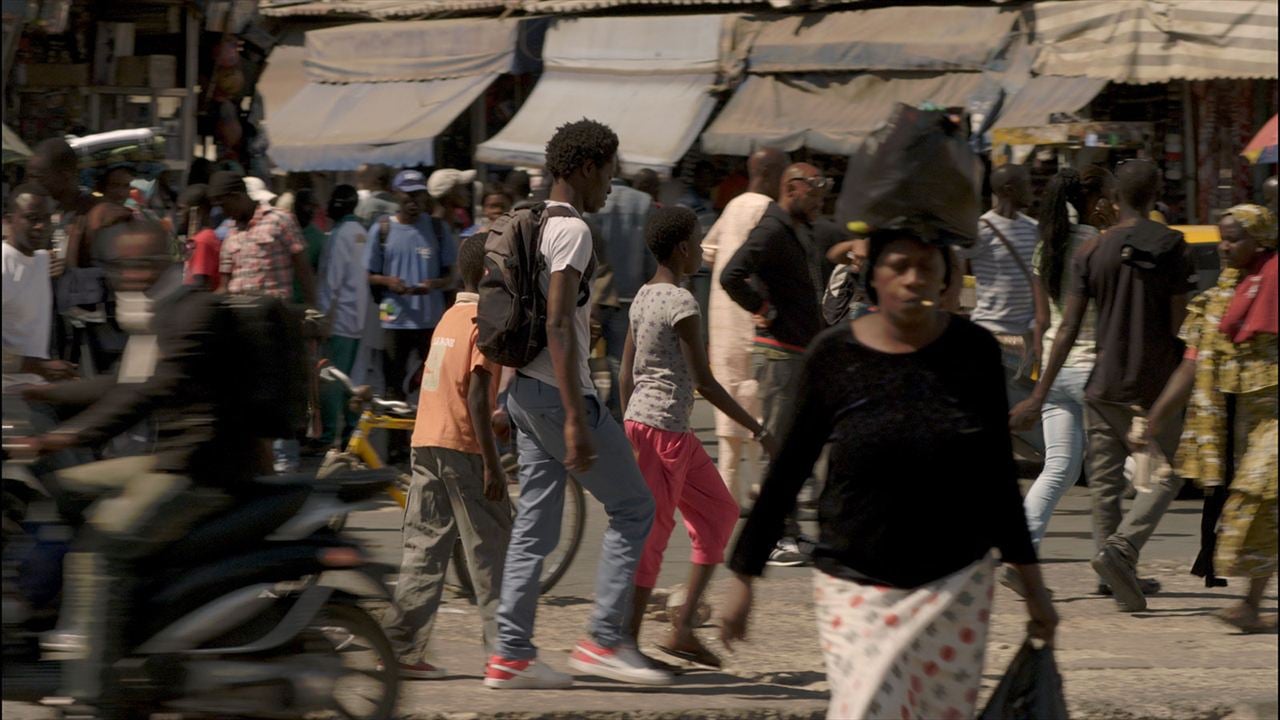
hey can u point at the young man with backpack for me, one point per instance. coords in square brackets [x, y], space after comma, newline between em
[562, 425]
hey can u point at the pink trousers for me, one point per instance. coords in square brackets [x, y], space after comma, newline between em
[681, 475]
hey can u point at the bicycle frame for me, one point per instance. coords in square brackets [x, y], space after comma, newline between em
[360, 447]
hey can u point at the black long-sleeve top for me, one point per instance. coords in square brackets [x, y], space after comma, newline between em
[774, 266]
[922, 480]
[201, 431]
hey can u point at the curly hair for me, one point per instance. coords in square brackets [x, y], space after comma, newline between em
[667, 228]
[471, 259]
[578, 142]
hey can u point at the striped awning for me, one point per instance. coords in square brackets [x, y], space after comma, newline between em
[1150, 41]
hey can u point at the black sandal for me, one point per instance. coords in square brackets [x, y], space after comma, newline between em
[701, 657]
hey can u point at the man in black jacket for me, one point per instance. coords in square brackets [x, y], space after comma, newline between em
[773, 276]
[173, 370]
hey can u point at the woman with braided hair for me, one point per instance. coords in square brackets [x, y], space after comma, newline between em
[1076, 207]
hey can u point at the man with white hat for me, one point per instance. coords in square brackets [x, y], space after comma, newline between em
[449, 188]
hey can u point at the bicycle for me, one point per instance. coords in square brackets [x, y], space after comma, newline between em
[394, 415]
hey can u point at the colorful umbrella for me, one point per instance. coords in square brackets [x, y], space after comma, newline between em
[1262, 149]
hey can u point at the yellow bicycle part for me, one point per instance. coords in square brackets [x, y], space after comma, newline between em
[360, 447]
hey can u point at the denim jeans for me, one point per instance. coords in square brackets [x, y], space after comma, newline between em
[614, 479]
[1017, 391]
[1063, 423]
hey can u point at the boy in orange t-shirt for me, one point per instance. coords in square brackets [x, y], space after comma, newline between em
[459, 489]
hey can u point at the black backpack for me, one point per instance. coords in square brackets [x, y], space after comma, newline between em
[268, 366]
[512, 317]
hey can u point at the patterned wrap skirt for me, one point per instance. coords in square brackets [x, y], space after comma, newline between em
[905, 653]
[1247, 540]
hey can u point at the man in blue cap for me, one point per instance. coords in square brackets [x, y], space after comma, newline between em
[410, 258]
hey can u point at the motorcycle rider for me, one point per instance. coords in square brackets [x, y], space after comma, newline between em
[173, 370]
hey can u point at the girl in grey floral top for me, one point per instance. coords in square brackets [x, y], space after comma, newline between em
[664, 362]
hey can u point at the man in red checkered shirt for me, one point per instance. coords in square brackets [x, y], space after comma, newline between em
[260, 257]
[265, 250]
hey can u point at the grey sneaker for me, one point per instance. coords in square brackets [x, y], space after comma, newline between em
[1122, 578]
[787, 553]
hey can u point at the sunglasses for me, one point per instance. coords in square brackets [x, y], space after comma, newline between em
[816, 182]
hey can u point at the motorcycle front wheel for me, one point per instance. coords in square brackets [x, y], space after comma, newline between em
[370, 687]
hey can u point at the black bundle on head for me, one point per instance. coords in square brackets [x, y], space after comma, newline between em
[576, 143]
[667, 228]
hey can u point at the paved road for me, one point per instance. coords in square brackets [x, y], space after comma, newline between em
[1172, 661]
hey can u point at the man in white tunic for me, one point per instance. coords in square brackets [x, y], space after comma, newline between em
[732, 329]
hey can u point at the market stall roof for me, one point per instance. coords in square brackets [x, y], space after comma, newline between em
[1150, 41]
[829, 113]
[374, 95]
[340, 127]
[648, 78]
[887, 38]
[377, 9]
[1044, 95]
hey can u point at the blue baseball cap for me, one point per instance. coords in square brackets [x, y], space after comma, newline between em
[409, 181]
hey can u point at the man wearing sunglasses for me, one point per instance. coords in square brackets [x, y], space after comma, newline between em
[773, 277]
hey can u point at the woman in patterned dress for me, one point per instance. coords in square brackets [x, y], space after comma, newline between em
[1229, 378]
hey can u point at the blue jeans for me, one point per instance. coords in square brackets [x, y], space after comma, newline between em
[1063, 422]
[614, 479]
[1017, 391]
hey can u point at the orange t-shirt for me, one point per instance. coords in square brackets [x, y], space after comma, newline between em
[443, 417]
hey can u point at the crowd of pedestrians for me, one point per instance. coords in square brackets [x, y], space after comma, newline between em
[1086, 341]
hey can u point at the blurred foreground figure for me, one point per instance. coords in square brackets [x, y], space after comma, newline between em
[170, 372]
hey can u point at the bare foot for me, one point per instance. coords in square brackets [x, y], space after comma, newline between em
[1242, 617]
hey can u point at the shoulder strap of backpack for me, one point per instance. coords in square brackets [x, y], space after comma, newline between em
[1012, 251]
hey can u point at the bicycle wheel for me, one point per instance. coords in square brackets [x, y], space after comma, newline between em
[556, 564]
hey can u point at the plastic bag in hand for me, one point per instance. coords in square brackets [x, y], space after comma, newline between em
[1031, 688]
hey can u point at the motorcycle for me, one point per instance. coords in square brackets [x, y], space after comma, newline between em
[257, 612]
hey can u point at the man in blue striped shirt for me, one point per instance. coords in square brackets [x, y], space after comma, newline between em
[1009, 303]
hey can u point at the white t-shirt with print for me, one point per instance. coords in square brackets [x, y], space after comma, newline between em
[566, 243]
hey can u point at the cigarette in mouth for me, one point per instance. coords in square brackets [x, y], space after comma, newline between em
[927, 303]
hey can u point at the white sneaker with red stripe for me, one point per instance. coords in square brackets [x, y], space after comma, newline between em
[501, 673]
[623, 663]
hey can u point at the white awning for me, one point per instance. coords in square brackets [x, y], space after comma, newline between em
[340, 127]
[382, 92]
[648, 78]
[282, 78]
[829, 113]
[1149, 41]
[402, 51]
